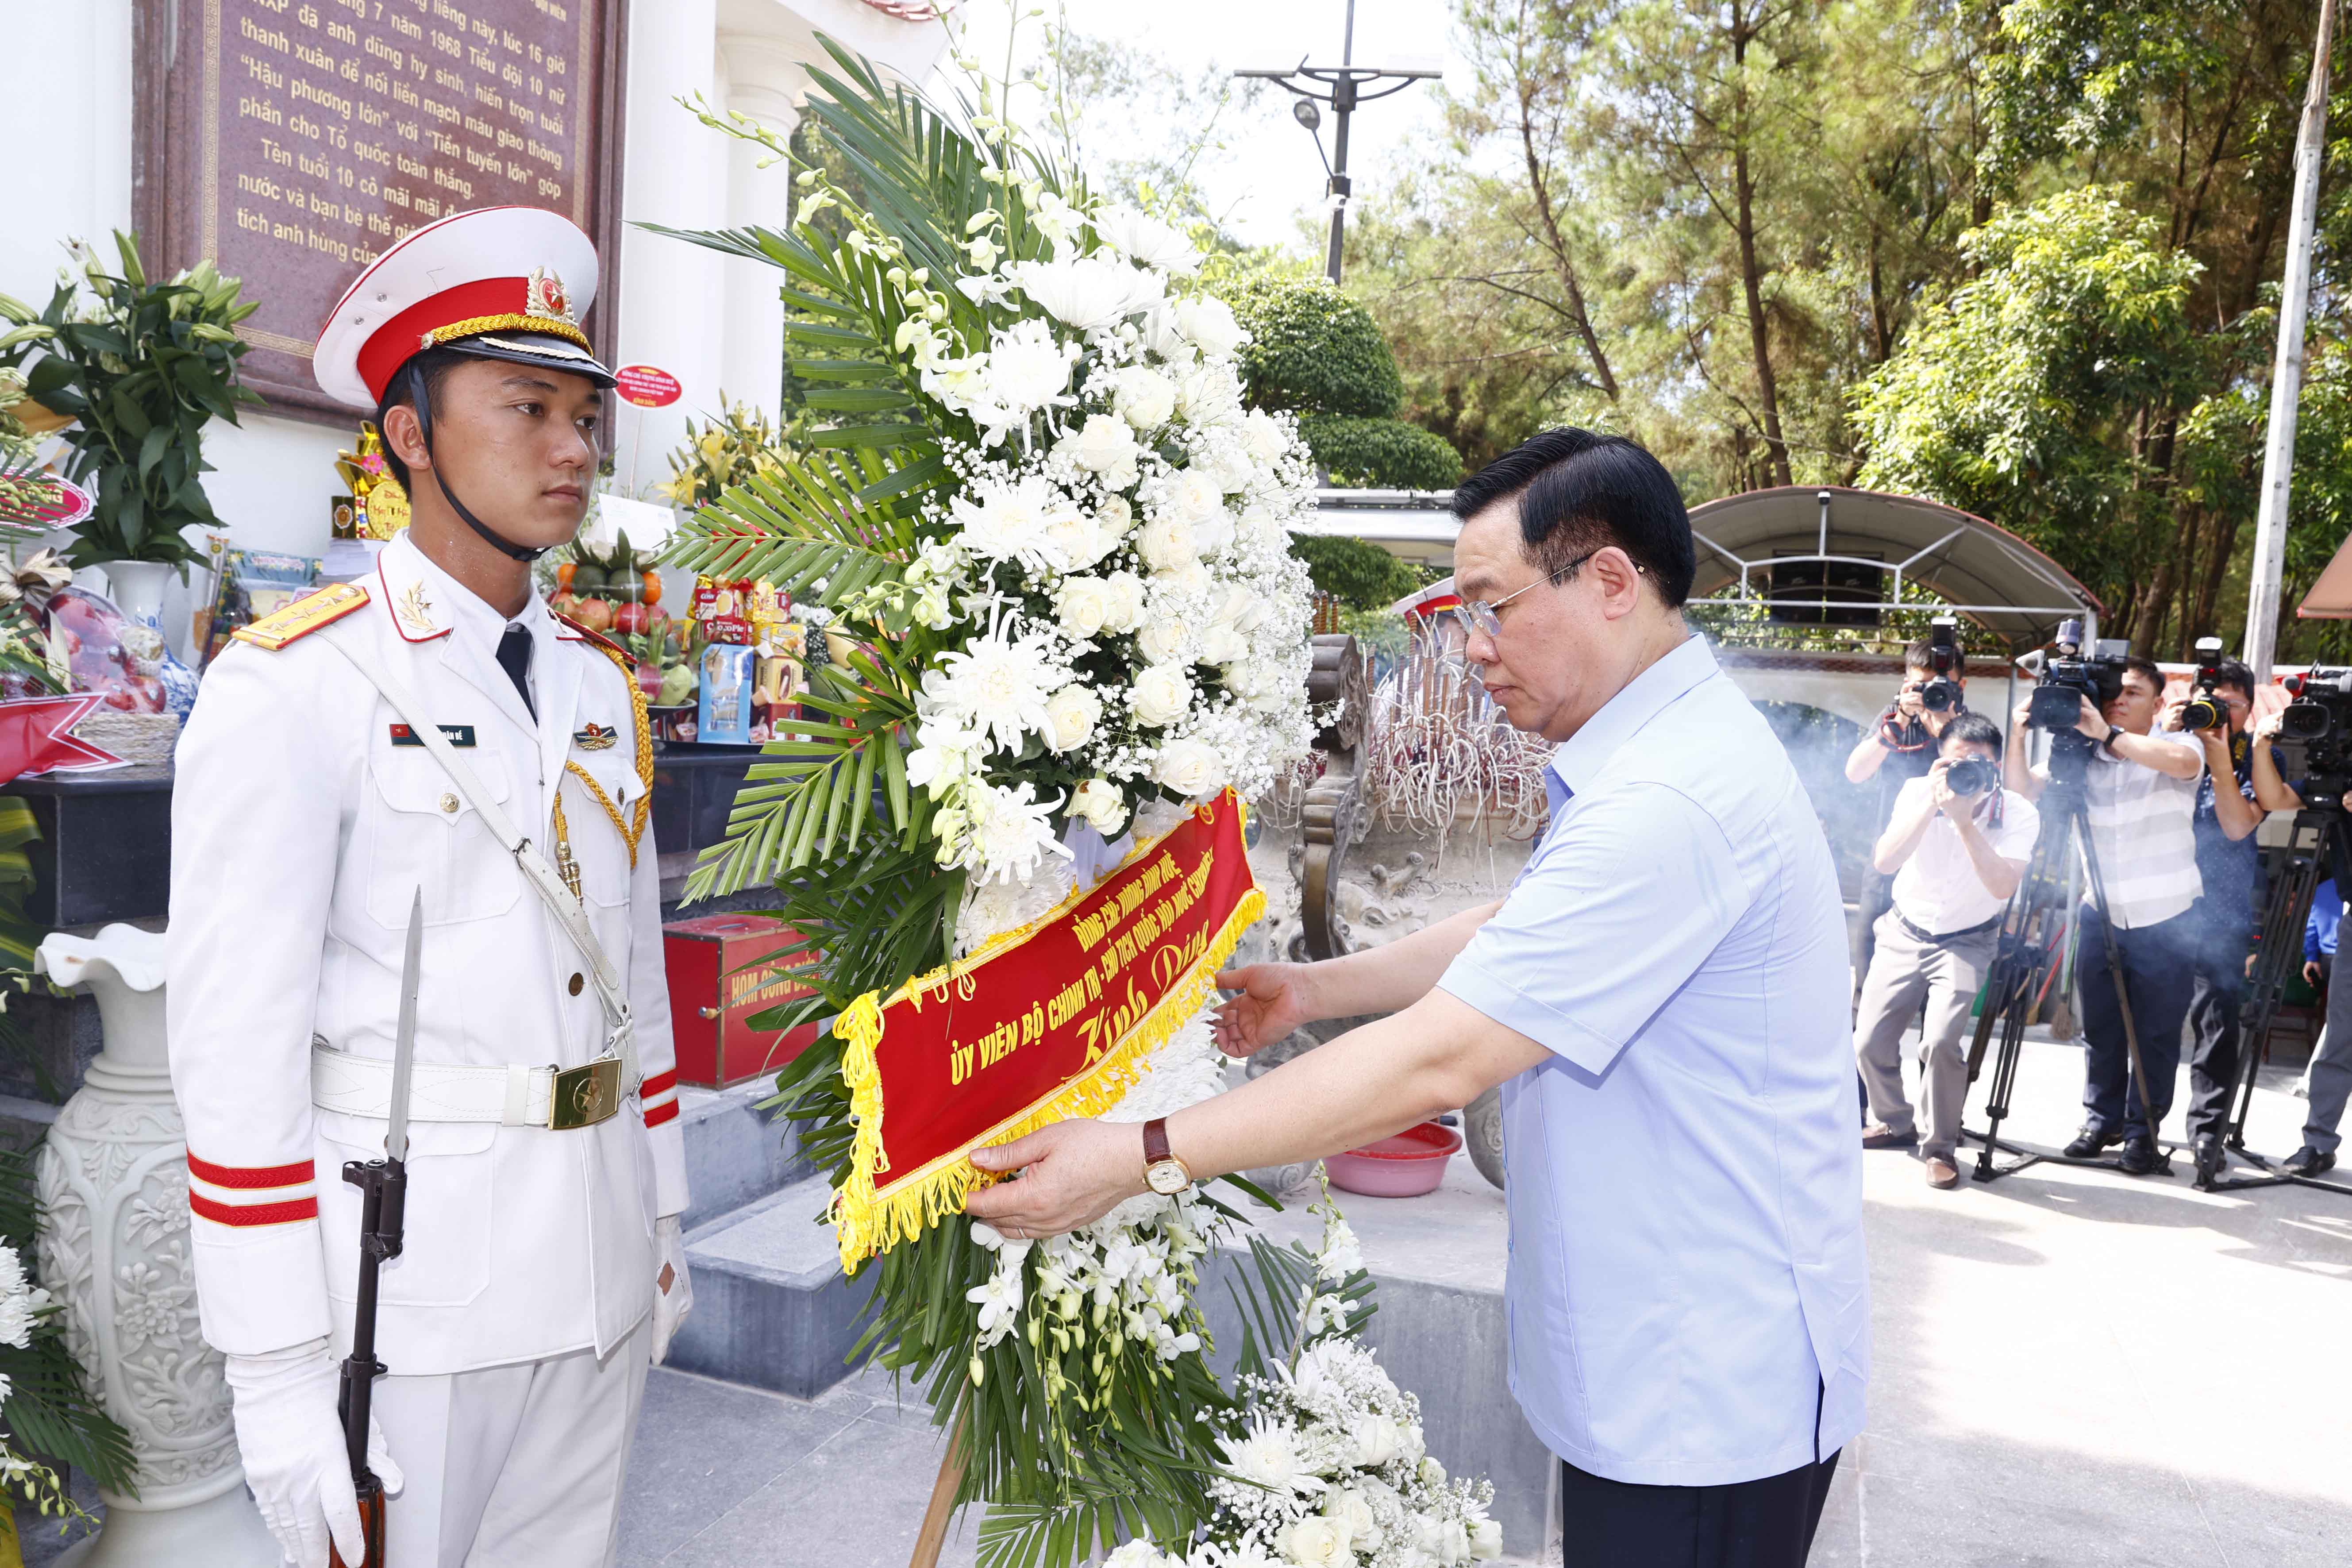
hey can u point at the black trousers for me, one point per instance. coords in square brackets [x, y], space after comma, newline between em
[2214, 999]
[2156, 976]
[1766, 1523]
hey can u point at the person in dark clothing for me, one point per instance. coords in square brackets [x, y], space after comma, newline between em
[2222, 918]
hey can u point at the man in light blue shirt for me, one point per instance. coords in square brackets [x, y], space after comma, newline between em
[1663, 996]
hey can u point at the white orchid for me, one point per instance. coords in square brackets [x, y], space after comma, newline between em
[999, 1299]
[1006, 829]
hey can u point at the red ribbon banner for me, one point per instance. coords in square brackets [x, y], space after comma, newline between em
[1051, 1022]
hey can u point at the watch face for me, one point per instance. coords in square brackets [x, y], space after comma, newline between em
[1167, 1178]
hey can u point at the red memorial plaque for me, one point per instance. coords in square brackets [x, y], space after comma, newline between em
[645, 386]
[294, 140]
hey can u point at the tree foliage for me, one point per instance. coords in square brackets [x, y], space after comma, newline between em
[1360, 576]
[1317, 353]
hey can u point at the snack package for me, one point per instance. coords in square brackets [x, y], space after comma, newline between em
[100, 649]
[724, 714]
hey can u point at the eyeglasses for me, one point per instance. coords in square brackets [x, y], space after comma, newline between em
[1478, 616]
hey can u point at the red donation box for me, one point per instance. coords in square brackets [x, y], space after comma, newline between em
[721, 977]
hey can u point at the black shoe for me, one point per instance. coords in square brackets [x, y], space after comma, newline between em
[2092, 1142]
[2211, 1160]
[2306, 1161]
[1878, 1136]
[2140, 1157]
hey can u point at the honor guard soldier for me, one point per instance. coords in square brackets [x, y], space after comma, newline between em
[432, 728]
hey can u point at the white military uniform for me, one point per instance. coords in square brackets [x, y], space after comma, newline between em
[515, 1322]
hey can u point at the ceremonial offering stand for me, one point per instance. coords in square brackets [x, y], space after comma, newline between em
[114, 1184]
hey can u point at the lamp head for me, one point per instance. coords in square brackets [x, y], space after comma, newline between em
[1303, 111]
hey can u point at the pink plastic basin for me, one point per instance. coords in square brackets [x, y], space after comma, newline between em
[1405, 1166]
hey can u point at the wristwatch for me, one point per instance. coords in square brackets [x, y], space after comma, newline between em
[1163, 1173]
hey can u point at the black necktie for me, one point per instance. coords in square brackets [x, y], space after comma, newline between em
[514, 658]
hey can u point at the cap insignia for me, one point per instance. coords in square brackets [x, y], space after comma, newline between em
[544, 297]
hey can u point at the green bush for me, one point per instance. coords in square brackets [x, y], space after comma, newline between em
[1314, 349]
[1383, 454]
[1359, 575]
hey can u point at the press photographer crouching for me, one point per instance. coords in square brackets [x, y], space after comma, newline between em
[2140, 805]
[2229, 863]
[1957, 844]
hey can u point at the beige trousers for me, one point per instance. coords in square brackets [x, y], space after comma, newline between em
[1905, 972]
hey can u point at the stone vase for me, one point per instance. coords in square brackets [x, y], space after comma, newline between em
[114, 1247]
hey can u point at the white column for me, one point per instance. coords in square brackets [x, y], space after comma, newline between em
[762, 78]
[674, 172]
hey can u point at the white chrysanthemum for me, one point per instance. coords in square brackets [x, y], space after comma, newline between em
[996, 685]
[1027, 371]
[1210, 325]
[1013, 521]
[1087, 292]
[1266, 1455]
[19, 1301]
[1004, 830]
[1145, 240]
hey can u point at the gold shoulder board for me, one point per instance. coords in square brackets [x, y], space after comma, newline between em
[303, 617]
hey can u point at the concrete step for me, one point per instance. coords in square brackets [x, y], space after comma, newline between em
[735, 1153]
[772, 1308]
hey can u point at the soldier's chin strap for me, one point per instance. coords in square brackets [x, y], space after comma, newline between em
[418, 395]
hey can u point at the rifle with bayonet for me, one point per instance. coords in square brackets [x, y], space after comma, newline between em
[383, 1188]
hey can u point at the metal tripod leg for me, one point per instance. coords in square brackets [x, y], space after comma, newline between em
[2010, 986]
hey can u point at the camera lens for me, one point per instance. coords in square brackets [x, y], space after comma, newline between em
[2303, 721]
[1970, 775]
[2204, 713]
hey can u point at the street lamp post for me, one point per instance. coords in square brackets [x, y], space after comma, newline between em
[1343, 88]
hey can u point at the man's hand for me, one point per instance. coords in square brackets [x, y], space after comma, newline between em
[2019, 715]
[2267, 727]
[2093, 723]
[1271, 1004]
[1076, 1171]
[295, 1457]
[1941, 794]
[2311, 973]
[1907, 703]
[2171, 718]
[673, 1290]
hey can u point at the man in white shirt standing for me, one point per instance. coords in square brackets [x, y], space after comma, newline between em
[2140, 802]
[1957, 845]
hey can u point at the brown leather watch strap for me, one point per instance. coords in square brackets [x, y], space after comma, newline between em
[1155, 1141]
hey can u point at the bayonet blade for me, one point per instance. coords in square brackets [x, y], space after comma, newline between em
[404, 1047]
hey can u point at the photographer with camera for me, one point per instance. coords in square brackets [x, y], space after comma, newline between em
[2140, 802]
[1933, 693]
[2229, 863]
[2330, 1076]
[1956, 846]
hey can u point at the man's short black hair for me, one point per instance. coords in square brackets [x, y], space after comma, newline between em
[1921, 655]
[1970, 726]
[1579, 491]
[437, 364]
[2146, 666]
[2233, 672]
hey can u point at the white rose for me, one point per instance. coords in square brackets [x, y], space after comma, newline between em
[1210, 326]
[1233, 604]
[1083, 605]
[1191, 768]
[1070, 717]
[1485, 1541]
[1076, 538]
[1164, 639]
[1213, 532]
[1315, 1542]
[1161, 692]
[1098, 803]
[1350, 1507]
[1262, 435]
[1166, 544]
[1105, 446]
[1432, 1474]
[1192, 494]
[1376, 1439]
[1116, 518]
[1144, 398]
[1208, 397]
[1192, 579]
[1244, 679]
[1453, 1543]
[1125, 613]
[1428, 1536]
[1223, 645]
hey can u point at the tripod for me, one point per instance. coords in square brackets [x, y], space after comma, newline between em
[2028, 951]
[2287, 909]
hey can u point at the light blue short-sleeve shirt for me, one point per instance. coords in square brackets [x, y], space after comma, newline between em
[1688, 1295]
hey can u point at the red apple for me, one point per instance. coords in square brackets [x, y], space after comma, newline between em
[630, 619]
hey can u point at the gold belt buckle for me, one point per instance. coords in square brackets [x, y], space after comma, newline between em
[586, 1095]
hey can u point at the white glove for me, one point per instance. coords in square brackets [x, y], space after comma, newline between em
[673, 1291]
[295, 1458]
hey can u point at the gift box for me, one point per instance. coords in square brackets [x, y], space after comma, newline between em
[720, 978]
[727, 676]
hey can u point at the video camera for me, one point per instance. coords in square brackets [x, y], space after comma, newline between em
[2316, 733]
[2067, 676]
[1941, 694]
[2205, 710]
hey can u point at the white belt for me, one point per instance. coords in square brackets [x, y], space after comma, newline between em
[560, 1099]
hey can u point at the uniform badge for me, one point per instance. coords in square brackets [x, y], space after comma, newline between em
[544, 296]
[415, 611]
[595, 738]
[455, 735]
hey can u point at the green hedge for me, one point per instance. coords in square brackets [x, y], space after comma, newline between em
[1382, 454]
[1314, 349]
[1359, 575]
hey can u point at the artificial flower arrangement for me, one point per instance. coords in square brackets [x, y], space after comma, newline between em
[1053, 544]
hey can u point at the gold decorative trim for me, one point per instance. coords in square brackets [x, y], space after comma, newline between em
[474, 326]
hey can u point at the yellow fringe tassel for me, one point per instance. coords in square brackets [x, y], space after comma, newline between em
[869, 1222]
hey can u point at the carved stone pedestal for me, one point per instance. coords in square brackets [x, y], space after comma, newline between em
[113, 1184]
